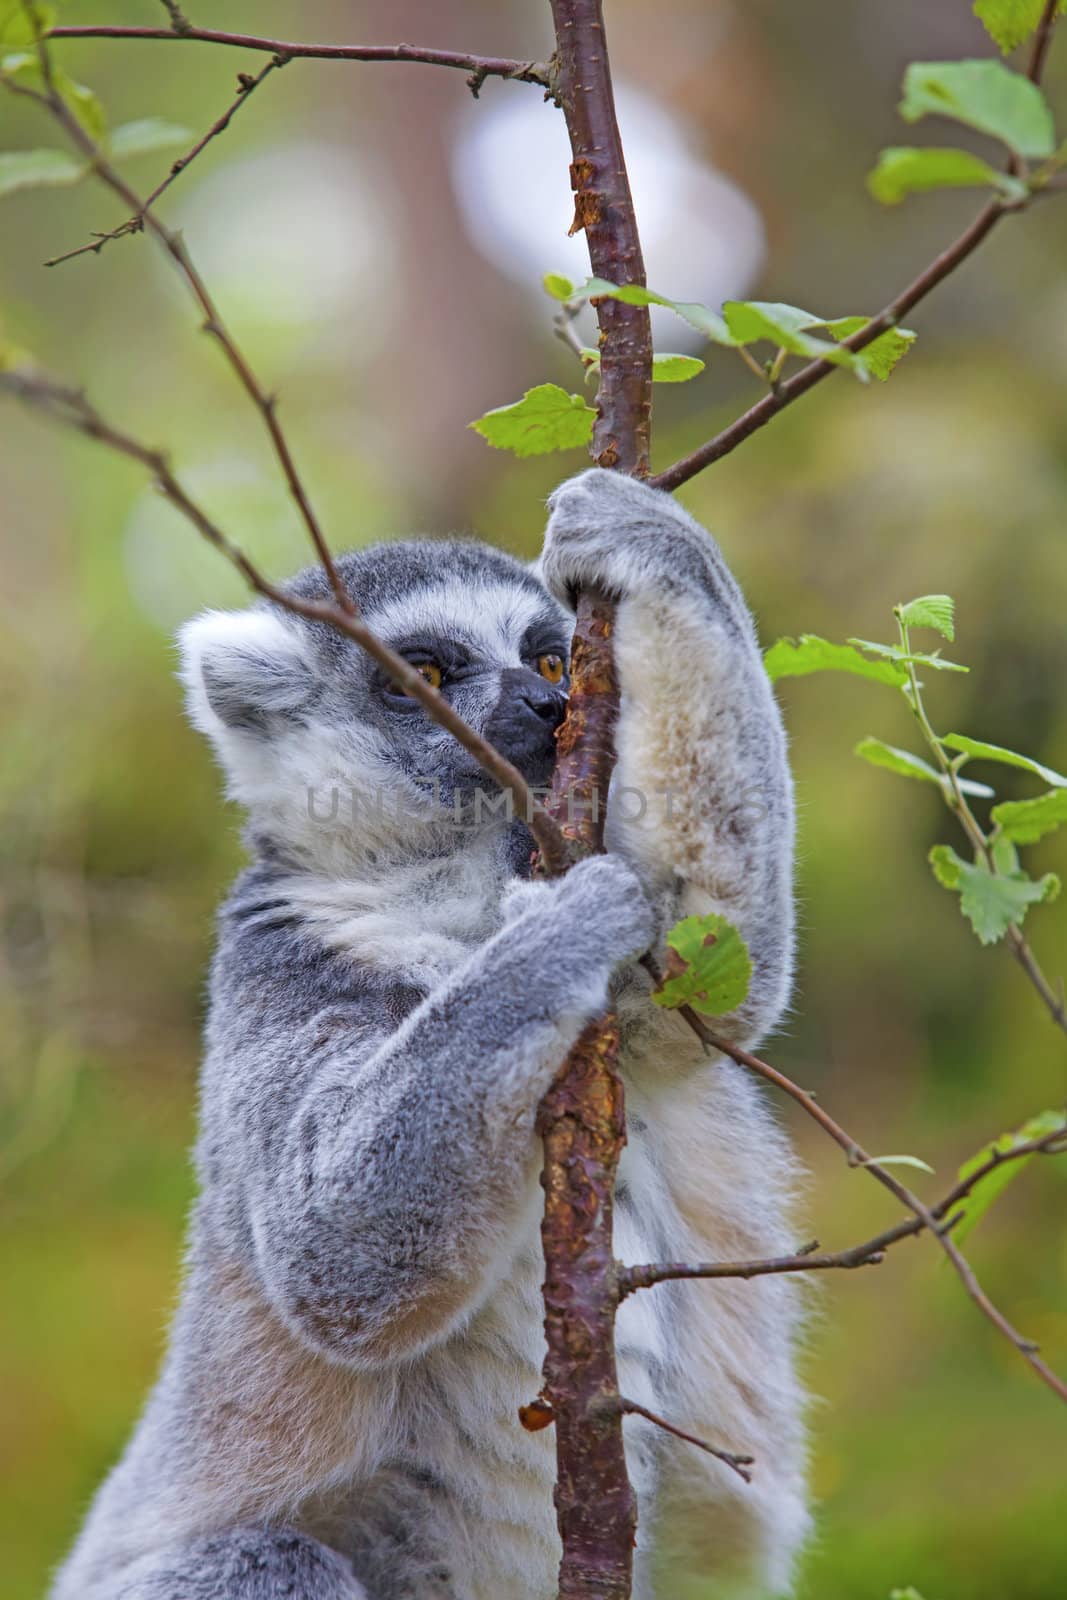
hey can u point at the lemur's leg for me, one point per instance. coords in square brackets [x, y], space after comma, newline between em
[702, 799]
[382, 1208]
[242, 1564]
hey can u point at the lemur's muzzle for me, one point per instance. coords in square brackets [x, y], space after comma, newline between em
[523, 723]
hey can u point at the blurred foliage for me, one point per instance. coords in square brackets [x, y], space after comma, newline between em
[938, 1460]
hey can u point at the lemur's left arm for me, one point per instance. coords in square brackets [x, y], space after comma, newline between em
[702, 798]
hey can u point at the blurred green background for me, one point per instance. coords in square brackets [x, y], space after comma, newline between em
[377, 241]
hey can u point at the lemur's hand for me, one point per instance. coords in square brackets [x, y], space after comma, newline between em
[601, 906]
[614, 533]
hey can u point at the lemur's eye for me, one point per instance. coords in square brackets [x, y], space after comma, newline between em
[425, 669]
[551, 667]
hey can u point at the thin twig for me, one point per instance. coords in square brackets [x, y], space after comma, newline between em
[174, 244]
[857, 1157]
[479, 67]
[1042, 42]
[135, 223]
[737, 1463]
[870, 1253]
[71, 407]
[757, 416]
[179, 22]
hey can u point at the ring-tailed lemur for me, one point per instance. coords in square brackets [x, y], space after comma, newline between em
[391, 997]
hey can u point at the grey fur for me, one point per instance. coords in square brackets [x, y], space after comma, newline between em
[390, 999]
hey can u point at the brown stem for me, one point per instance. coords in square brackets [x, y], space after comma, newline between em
[479, 67]
[581, 1119]
[737, 1463]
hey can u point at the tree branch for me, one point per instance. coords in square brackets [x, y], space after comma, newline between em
[581, 1119]
[858, 1157]
[737, 1463]
[479, 67]
[771, 404]
[174, 244]
[870, 1253]
[135, 223]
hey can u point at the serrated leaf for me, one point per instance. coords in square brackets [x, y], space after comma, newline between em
[978, 750]
[710, 968]
[985, 95]
[702, 318]
[559, 287]
[795, 658]
[982, 1196]
[935, 660]
[882, 354]
[907, 765]
[904, 170]
[547, 418]
[898, 1161]
[1009, 22]
[37, 169]
[145, 136]
[675, 369]
[1027, 821]
[18, 26]
[755, 321]
[931, 611]
[991, 902]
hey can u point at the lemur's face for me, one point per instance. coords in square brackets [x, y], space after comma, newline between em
[298, 713]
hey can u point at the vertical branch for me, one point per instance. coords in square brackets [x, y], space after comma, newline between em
[581, 1119]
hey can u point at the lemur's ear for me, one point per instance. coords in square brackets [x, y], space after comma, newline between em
[240, 668]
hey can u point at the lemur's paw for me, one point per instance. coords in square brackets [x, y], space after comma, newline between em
[610, 906]
[611, 532]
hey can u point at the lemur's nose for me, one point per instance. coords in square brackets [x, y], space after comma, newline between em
[532, 691]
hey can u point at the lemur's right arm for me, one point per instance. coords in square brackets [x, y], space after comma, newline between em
[380, 1180]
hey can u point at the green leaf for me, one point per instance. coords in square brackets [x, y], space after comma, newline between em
[709, 967]
[893, 652]
[991, 902]
[559, 287]
[700, 317]
[1027, 821]
[546, 418]
[675, 369]
[905, 1594]
[25, 67]
[985, 95]
[904, 170]
[897, 1161]
[1009, 22]
[145, 136]
[753, 321]
[882, 354]
[931, 611]
[37, 169]
[795, 658]
[977, 750]
[909, 766]
[16, 25]
[978, 1202]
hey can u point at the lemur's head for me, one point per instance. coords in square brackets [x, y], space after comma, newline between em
[316, 740]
